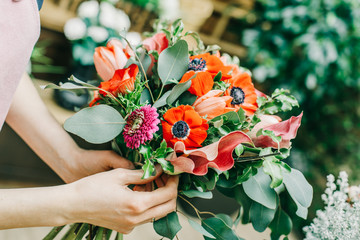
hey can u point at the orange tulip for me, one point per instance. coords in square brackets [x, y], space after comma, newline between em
[212, 105]
[111, 58]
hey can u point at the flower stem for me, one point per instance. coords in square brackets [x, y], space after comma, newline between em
[53, 233]
[119, 236]
[195, 209]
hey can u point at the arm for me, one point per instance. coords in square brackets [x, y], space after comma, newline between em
[102, 199]
[29, 117]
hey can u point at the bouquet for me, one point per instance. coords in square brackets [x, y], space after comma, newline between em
[196, 113]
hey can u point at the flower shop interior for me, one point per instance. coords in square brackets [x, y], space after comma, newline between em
[308, 47]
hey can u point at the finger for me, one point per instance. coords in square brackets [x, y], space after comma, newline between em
[134, 176]
[116, 161]
[160, 195]
[158, 212]
[159, 182]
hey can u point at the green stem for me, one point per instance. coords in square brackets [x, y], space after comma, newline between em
[250, 149]
[99, 234]
[255, 158]
[119, 236]
[81, 233]
[70, 234]
[53, 233]
[195, 209]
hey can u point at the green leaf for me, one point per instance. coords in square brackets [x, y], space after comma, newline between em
[174, 61]
[281, 225]
[258, 189]
[195, 193]
[245, 202]
[200, 229]
[166, 165]
[219, 229]
[239, 149]
[177, 91]
[98, 124]
[229, 116]
[218, 77]
[149, 169]
[146, 151]
[270, 134]
[261, 216]
[297, 186]
[301, 210]
[187, 98]
[273, 169]
[145, 97]
[168, 226]
[242, 115]
[162, 101]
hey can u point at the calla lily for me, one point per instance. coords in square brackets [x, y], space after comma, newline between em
[212, 105]
[217, 155]
[286, 129]
[158, 42]
[111, 58]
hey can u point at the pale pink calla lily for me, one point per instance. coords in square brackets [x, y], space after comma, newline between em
[159, 43]
[212, 105]
[111, 58]
[217, 155]
[286, 129]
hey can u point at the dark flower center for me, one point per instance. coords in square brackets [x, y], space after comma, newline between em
[197, 64]
[180, 130]
[238, 96]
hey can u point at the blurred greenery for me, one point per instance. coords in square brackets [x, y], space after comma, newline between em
[311, 48]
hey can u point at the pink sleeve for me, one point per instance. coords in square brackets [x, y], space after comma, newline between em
[19, 31]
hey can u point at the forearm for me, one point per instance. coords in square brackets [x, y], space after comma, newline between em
[46, 206]
[29, 117]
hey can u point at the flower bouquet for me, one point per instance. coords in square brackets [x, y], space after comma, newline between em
[196, 113]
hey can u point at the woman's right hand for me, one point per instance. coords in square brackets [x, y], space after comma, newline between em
[104, 199]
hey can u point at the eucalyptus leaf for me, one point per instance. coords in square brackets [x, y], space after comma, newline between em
[174, 61]
[145, 96]
[219, 229]
[301, 210]
[187, 98]
[162, 101]
[261, 216]
[274, 169]
[297, 186]
[281, 225]
[200, 229]
[168, 226]
[258, 189]
[177, 91]
[245, 202]
[98, 124]
[195, 193]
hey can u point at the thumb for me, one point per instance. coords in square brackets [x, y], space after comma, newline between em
[116, 161]
[134, 176]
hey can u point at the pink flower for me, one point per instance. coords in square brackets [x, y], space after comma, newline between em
[216, 155]
[141, 125]
[111, 58]
[159, 43]
[286, 129]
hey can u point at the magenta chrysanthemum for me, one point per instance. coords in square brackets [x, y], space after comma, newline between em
[141, 125]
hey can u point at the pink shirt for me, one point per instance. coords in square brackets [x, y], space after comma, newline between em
[19, 31]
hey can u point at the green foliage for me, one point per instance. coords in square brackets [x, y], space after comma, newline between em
[220, 228]
[195, 193]
[261, 216]
[200, 229]
[168, 226]
[280, 225]
[98, 124]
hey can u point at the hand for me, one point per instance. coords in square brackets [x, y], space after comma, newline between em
[87, 162]
[105, 200]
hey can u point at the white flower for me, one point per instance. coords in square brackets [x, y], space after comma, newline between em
[169, 9]
[354, 193]
[88, 9]
[113, 18]
[134, 38]
[98, 34]
[74, 29]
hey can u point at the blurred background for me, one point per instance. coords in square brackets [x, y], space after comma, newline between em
[309, 47]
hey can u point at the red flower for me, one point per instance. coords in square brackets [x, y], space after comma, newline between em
[216, 155]
[122, 82]
[183, 124]
[286, 129]
[243, 93]
[206, 67]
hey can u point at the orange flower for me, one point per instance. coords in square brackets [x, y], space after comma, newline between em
[243, 93]
[212, 105]
[206, 67]
[110, 58]
[185, 125]
[122, 82]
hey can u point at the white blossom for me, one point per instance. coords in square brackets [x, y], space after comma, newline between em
[113, 18]
[88, 9]
[74, 29]
[134, 38]
[98, 34]
[340, 218]
[169, 9]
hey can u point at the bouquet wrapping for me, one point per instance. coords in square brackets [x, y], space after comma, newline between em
[174, 102]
